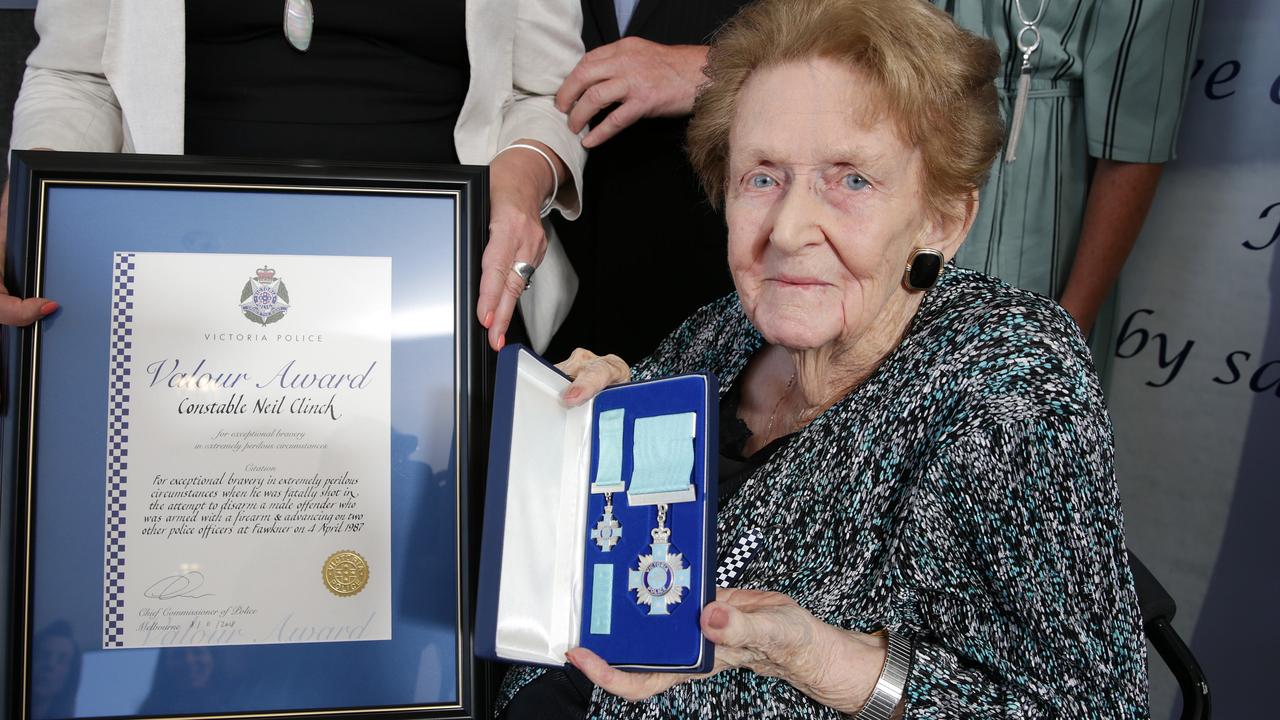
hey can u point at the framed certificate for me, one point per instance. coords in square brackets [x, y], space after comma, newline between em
[237, 459]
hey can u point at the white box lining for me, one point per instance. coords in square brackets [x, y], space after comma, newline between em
[539, 617]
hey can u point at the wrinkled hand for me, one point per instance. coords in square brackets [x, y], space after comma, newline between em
[647, 79]
[591, 373]
[17, 311]
[770, 634]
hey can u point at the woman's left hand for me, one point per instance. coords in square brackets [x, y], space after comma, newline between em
[768, 633]
[519, 184]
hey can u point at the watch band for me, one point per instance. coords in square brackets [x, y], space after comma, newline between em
[893, 679]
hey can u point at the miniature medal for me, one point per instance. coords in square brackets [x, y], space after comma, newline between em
[610, 425]
[608, 530]
[660, 577]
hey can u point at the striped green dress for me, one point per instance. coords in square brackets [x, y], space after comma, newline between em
[1109, 81]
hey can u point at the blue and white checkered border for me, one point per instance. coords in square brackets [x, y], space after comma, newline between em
[118, 446]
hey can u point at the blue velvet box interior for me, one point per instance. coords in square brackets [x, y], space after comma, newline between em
[636, 634]
[630, 635]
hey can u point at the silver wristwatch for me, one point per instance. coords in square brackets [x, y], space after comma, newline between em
[893, 679]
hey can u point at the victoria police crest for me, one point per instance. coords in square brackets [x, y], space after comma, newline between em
[264, 299]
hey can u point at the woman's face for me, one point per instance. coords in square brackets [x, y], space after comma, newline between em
[824, 205]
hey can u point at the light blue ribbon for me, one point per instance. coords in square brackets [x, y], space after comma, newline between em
[663, 454]
[609, 468]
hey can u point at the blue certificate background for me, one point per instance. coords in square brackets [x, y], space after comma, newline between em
[85, 225]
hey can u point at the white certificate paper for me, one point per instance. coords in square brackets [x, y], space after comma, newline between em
[248, 450]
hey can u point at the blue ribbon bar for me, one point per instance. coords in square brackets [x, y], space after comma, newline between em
[602, 599]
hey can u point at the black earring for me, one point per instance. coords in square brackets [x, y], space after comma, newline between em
[923, 268]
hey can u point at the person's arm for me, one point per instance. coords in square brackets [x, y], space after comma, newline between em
[645, 79]
[1025, 606]
[769, 634]
[1136, 70]
[547, 43]
[520, 182]
[1119, 198]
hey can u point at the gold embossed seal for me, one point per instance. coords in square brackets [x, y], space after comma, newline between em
[346, 573]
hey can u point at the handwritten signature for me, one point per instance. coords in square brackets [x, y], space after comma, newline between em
[176, 586]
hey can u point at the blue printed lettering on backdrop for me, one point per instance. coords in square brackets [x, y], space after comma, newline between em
[1275, 234]
[1219, 83]
[1266, 378]
[1222, 74]
[1167, 355]
[1199, 300]
[1239, 366]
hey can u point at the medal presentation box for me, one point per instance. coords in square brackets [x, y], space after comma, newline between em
[237, 460]
[600, 520]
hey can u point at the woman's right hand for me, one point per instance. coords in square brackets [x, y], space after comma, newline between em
[16, 311]
[591, 373]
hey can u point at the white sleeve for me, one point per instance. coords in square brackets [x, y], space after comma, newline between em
[65, 102]
[548, 44]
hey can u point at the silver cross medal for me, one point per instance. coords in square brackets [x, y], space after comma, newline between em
[608, 530]
[660, 578]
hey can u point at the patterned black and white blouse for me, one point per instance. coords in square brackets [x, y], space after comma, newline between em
[963, 495]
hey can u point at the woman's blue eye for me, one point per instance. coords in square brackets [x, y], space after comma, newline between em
[855, 182]
[761, 182]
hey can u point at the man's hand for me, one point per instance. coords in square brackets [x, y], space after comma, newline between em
[647, 79]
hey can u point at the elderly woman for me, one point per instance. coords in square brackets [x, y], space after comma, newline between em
[926, 448]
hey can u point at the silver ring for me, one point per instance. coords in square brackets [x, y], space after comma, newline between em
[525, 271]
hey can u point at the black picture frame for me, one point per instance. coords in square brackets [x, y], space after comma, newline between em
[33, 175]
